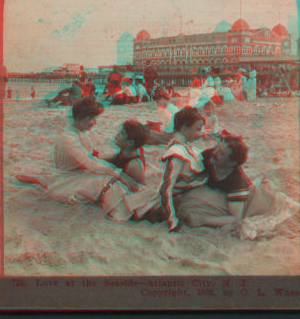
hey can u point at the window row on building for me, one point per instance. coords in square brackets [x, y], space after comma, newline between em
[195, 61]
[263, 50]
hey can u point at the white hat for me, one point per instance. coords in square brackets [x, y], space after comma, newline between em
[217, 80]
[129, 75]
[139, 77]
[210, 81]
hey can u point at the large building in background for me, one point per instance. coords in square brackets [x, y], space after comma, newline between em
[225, 44]
[125, 49]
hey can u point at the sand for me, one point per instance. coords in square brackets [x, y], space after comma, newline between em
[43, 238]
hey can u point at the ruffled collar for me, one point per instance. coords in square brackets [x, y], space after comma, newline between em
[180, 148]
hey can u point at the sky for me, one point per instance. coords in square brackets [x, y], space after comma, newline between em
[47, 33]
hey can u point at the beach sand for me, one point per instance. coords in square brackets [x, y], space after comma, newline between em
[43, 238]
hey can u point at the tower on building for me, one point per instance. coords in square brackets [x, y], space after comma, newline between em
[125, 49]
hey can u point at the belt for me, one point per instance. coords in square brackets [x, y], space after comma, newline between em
[106, 188]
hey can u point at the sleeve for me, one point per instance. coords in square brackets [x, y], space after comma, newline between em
[84, 159]
[237, 187]
[171, 172]
[127, 91]
[140, 92]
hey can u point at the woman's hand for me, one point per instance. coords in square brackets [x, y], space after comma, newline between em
[245, 230]
[174, 224]
[241, 229]
[129, 182]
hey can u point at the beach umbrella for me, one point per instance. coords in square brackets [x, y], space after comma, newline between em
[227, 71]
[241, 70]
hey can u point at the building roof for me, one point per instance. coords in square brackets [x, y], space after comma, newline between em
[223, 26]
[280, 30]
[142, 35]
[240, 25]
[126, 37]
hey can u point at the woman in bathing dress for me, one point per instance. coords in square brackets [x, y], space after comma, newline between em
[130, 139]
[183, 171]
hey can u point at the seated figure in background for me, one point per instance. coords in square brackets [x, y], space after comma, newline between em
[212, 122]
[207, 92]
[225, 90]
[66, 97]
[142, 94]
[129, 91]
[161, 131]
[195, 92]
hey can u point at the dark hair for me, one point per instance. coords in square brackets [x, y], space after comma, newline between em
[208, 105]
[86, 107]
[161, 94]
[115, 84]
[239, 150]
[140, 81]
[116, 69]
[136, 132]
[187, 116]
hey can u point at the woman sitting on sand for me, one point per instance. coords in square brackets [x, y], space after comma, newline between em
[130, 139]
[207, 92]
[79, 177]
[225, 89]
[182, 172]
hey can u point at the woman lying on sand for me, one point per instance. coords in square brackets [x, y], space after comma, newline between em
[79, 177]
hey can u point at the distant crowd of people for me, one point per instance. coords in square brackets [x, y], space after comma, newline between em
[135, 88]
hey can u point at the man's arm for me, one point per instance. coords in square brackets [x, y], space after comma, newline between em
[237, 193]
